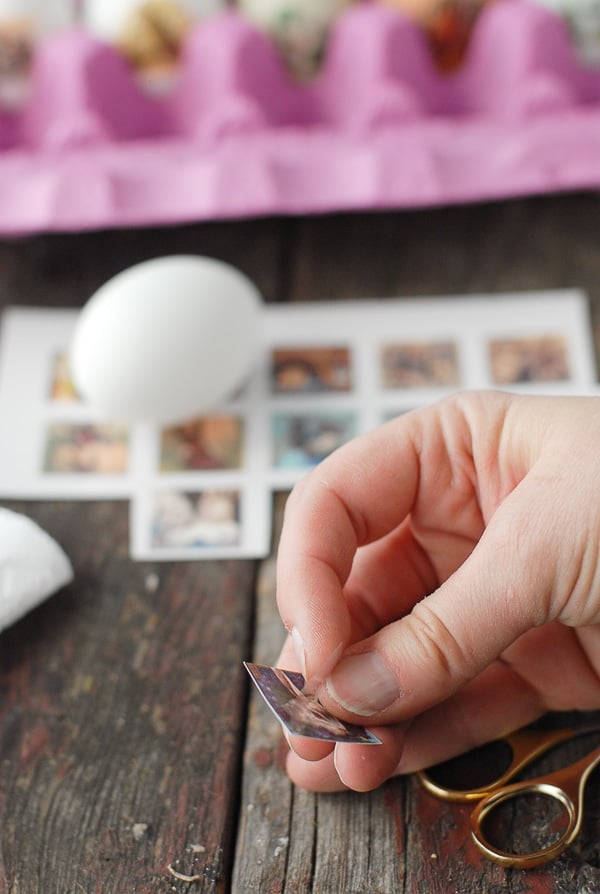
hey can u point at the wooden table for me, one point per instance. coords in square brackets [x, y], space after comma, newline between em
[129, 741]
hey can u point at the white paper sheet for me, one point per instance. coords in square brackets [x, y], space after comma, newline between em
[328, 371]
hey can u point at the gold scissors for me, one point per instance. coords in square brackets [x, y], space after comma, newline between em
[566, 786]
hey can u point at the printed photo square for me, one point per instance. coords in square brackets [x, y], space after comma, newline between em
[62, 390]
[208, 443]
[201, 518]
[418, 364]
[301, 441]
[311, 370]
[88, 449]
[303, 715]
[532, 359]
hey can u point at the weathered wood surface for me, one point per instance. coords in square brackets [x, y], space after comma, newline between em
[292, 840]
[123, 705]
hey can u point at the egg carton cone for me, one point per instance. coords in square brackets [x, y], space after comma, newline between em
[378, 127]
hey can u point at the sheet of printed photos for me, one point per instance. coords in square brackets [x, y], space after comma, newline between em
[326, 372]
[336, 369]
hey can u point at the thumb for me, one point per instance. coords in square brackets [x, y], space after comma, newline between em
[502, 590]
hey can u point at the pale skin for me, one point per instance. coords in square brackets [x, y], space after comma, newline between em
[440, 581]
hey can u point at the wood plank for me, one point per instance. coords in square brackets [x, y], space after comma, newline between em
[291, 840]
[265, 836]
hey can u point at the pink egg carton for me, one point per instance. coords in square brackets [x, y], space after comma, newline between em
[379, 127]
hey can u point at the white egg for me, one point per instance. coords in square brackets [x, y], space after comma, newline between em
[166, 340]
[105, 18]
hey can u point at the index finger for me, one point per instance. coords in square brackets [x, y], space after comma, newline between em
[356, 496]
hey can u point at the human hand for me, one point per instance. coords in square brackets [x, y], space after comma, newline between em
[440, 580]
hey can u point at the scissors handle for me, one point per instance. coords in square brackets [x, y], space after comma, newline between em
[566, 786]
[526, 745]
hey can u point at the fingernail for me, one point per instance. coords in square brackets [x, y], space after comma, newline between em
[311, 684]
[363, 684]
[298, 644]
[319, 678]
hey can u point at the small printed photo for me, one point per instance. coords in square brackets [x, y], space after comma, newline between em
[310, 370]
[62, 389]
[302, 441]
[211, 442]
[419, 365]
[196, 519]
[101, 449]
[521, 360]
[300, 714]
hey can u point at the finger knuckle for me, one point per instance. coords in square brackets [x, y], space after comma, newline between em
[438, 649]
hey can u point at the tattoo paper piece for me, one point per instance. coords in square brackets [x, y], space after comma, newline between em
[303, 715]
